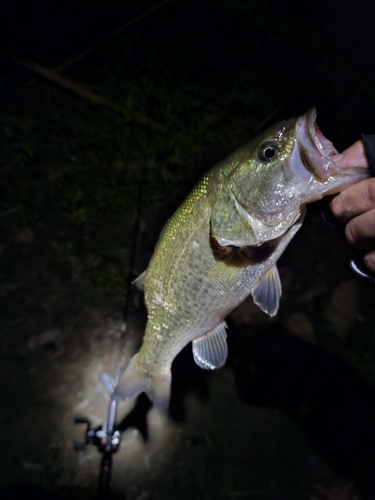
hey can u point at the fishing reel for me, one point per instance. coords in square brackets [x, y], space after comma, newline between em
[104, 441]
[360, 270]
[107, 439]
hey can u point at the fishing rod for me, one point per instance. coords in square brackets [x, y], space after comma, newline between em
[107, 437]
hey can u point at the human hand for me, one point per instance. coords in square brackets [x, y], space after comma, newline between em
[356, 205]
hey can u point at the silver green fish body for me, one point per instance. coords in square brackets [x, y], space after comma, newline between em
[222, 244]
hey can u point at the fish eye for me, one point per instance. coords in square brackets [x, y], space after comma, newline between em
[268, 151]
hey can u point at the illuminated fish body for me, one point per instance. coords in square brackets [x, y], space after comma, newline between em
[222, 244]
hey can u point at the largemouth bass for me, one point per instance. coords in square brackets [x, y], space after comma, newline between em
[222, 244]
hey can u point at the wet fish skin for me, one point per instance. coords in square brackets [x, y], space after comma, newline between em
[223, 243]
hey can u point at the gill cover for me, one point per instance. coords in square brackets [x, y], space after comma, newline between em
[232, 224]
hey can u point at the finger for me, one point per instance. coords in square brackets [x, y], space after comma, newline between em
[354, 201]
[354, 156]
[369, 260]
[360, 231]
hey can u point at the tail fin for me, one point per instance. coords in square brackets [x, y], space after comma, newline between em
[137, 379]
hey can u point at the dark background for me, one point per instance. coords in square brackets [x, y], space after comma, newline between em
[192, 80]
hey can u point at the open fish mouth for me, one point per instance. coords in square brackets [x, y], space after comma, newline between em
[315, 150]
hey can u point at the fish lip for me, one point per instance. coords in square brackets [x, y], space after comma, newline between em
[315, 149]
[317, 136]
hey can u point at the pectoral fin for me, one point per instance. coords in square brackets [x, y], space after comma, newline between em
[228, 225]
[267, 293]
[210, 351]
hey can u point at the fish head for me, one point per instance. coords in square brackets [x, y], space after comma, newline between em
[280, 171]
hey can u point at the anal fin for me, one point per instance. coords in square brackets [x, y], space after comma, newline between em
[210, 350]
